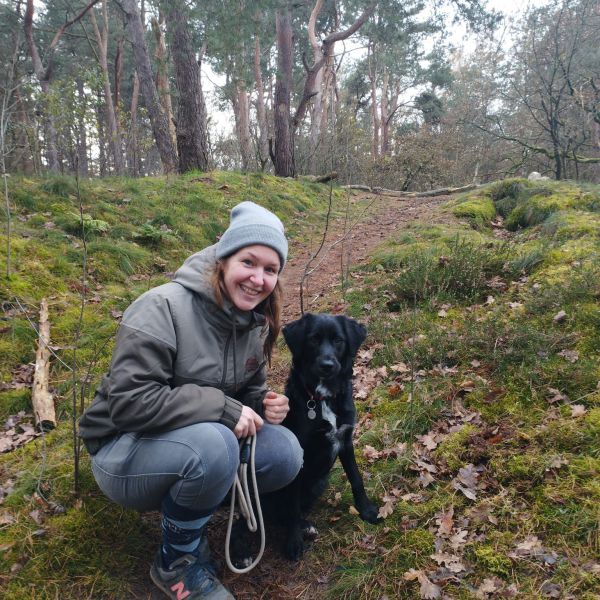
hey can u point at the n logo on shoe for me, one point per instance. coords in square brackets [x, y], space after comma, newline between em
[179, 589]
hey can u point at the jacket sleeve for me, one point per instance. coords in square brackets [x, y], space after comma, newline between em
[140, 397]
[254, 391]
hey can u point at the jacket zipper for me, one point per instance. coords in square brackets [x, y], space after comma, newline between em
[225, 353]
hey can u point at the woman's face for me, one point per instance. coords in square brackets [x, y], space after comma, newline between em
[250, 275]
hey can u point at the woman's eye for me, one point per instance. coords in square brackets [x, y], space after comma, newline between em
[247, 262]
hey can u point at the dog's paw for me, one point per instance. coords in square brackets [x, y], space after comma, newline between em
[294, 548]
[242, 562]
[370, 513]
[309, 530]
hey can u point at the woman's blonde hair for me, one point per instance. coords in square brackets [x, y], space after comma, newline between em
[270, 307]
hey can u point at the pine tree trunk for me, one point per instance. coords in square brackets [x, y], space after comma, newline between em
[111, 117]
[133, 158]
[374, 112]
[385, 144]
[82, 157]
[191, 124]
[158, 119]
[100, 112]
[162, 73]
[283, 157]
[261, 112]
[242, 124]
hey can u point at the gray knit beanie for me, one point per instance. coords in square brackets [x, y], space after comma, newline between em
[252, 224]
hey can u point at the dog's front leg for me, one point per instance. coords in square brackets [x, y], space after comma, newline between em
[294, 547]
[367, 510]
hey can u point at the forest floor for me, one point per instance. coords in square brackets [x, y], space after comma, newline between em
[276, 578]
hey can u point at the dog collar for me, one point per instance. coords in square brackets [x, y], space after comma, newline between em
[311, 403]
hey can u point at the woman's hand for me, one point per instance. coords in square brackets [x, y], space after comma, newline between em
[248, 424]
[276, 407]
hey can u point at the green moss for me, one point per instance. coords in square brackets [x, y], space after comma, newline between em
[488, 557]
[478, 211]
[453, 446]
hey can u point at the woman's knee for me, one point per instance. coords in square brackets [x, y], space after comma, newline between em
[278, 457]
[215, 452]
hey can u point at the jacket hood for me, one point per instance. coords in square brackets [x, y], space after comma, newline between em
[196, 273]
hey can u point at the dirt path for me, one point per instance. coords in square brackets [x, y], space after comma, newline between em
[276, 578]
[384, 216]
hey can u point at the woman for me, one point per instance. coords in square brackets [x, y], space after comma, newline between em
[186, 382]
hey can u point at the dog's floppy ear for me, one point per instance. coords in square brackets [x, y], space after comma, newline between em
[355, 333]
[293, 333]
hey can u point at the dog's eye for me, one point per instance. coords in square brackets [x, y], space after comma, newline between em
[339, 342]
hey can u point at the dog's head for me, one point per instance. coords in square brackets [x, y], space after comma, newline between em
[324, 345]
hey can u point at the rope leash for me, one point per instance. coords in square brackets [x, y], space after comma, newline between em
[254, 519]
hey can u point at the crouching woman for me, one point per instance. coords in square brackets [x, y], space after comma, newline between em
[187, 381]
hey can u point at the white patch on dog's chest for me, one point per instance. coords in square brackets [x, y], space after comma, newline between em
[329, 416]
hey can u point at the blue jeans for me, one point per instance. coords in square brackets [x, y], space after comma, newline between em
[196, 465]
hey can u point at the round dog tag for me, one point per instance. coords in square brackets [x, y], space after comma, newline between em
[311, 414]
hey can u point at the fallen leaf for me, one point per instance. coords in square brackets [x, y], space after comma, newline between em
[475, 364]
[370, 453]
[7, 519]
[442, 313]
[490, 300]
[429, 590]
[428, 441]
[555, 395]
[446, 522]
[557, 462]
[459, 539]
[489, 586]
[560, 316]
[571, 355]
[386, 510]
[529, 545]
[551, 590]
[352, 510]
[37, 515]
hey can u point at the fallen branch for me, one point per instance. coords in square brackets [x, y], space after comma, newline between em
[41, 398]
[322, 178]
[400, 194]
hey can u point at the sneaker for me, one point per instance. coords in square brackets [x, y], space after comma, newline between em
[188, 578]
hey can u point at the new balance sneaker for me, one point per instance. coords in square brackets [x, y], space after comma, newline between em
[188, 578]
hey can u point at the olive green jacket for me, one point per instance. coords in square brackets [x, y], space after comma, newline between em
[180, 359]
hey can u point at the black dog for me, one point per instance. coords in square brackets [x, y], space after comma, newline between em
[322, 415]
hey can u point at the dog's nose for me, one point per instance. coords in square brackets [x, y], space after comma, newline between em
[327, 365]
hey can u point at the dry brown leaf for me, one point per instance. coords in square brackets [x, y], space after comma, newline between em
[578, 410]
[531, 544]
[386, 510]
[560, 316]
[6, 518]
[352, 510]
[429, 590]
[555, 395]
[428, 441]
[571, 355]
[445, 521]
[489, 586]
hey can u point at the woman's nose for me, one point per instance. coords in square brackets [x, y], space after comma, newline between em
[257, 277]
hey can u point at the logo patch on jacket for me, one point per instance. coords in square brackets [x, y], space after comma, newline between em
[252, 364]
